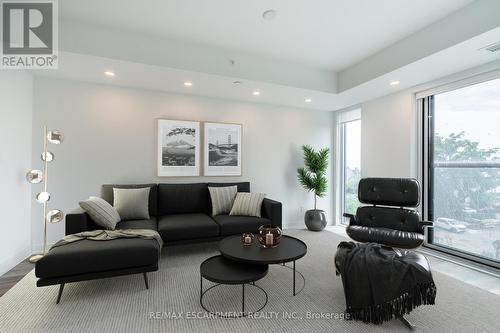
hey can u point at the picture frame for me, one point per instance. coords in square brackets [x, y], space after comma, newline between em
[178, 148]
[222, 149]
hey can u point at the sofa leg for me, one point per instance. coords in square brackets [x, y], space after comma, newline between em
[61, 287]
[407, 323]
[146, 280]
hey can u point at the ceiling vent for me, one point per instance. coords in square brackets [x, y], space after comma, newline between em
[495, 47]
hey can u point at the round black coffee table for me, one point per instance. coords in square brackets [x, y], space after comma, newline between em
[224, 271]
[289, 249]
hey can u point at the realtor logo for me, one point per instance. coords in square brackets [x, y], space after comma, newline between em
[29, 34]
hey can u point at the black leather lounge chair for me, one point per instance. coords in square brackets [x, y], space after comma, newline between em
[395, 229]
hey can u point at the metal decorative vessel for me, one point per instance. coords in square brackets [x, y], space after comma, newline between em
[315, 219]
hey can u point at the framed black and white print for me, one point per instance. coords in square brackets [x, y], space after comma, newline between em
[178, 148]
[222, 149]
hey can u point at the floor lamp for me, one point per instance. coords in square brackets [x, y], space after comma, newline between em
[43, 197]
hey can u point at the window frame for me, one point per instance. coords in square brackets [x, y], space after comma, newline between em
[344, 117]
[425, 113]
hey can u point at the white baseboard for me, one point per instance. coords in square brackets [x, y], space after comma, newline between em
[7, 263]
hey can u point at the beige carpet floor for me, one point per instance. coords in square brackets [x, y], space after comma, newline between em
[172, 302]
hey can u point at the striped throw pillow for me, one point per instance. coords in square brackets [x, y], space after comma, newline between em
[101, 212]
[222, 199]
[247, 204]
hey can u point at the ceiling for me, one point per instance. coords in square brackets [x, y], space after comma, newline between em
[89, 68]
[324, 34]
[332, 53]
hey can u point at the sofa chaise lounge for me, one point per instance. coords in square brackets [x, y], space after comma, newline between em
[181, 213]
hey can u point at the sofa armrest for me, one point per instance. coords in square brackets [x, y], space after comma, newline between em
[79, 221]
[271, 209]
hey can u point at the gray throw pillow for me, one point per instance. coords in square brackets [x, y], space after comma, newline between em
[247, 204]
[222, 199]
[132, 203]
[101, 212]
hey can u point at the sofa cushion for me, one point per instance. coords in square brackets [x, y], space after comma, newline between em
[132, 203]
[139, 224]
[187, 226]
[183, 199]
[88, 256]
[101, 212]
[248, 204]
[242, 186]
[222, 199]
[107, 194]
[231, 224]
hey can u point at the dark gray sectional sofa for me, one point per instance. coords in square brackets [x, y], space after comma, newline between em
[181, 213]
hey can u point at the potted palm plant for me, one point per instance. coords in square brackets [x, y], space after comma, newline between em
[313, 178]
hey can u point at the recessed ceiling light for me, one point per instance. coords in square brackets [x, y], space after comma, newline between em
[188, 84]
[256, 93]
[270, 14]
[308, 100]
[109, 73]
[394, 83]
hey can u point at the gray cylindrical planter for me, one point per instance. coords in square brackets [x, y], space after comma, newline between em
[315, 219]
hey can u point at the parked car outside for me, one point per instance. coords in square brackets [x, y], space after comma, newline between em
[469, 210]
[450, 224]
[489, 223]
[473, 223]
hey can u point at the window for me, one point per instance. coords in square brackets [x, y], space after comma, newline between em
[350, 161]
[462, 176]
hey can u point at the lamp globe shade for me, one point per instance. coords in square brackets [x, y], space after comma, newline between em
[48, 156]
[34, 176]
[55, 216]
[55, 137]
[43, 197]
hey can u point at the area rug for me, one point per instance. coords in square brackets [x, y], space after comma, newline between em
[172, 302]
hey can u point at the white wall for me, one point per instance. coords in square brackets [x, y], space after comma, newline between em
[15, 161]
[111, 138]
[388, 136]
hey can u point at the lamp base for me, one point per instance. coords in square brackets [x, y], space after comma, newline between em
[35, 257]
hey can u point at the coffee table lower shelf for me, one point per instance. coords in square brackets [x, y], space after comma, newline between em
[236, 315]
[223, 271]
